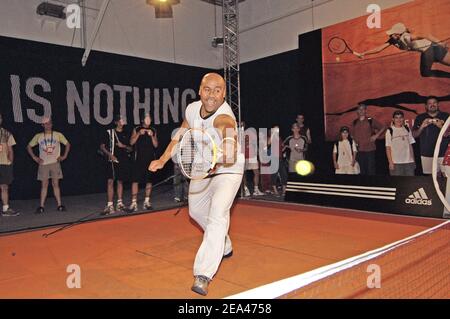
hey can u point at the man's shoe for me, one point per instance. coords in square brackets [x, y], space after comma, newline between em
[132, 208]
[257, 192]
[39, 210]
[10, 212]
[147, 205]
[200, 285]
[228, 255]
[120, 207]
[61, 208]
[109, 209]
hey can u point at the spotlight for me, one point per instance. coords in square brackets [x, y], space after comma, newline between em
[52, 10]
[216, 42]
[163, 8]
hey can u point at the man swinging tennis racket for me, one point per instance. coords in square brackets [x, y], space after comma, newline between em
[208, 137]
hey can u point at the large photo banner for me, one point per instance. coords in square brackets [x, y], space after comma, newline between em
[404, 61]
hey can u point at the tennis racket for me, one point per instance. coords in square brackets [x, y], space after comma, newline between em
[197, 154]
[338, 45]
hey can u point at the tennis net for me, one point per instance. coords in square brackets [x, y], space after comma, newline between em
[415, 267]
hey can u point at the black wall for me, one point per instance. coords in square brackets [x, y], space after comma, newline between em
[84, 171]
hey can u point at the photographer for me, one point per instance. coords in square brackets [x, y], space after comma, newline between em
[427, 127]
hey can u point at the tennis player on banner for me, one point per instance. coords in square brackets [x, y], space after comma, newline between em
[210, 198]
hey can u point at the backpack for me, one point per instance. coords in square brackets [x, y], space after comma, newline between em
[391, 130]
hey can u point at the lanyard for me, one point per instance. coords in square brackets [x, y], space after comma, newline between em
[51, 140]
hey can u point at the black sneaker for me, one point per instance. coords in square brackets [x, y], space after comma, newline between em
[39, 210]
[61, 208]
[228, 255]
[10, 212]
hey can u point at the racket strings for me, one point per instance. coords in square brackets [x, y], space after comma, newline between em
[337, 45]
[196, 154]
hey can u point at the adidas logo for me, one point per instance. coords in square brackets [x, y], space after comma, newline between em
[419, 197]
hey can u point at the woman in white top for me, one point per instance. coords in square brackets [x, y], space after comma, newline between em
[431, 50]
[399, 151]
[344, 154]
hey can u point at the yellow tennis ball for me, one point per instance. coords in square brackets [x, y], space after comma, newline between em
[304, 168]
[338, 59]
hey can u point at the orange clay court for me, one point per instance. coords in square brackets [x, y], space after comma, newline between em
[151, 255]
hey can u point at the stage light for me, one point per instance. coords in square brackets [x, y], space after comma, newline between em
[216, 42]
[163, 8]
[51, 10]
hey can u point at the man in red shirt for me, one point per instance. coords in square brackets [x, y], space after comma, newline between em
[365, 131]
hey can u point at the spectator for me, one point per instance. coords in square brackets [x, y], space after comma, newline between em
[6, 168]
[251, 161]
[275, 151]
[344, 154]
[180, 184]
[296, 146]
[265, 176]
[399, 150]
[115, 147]
[49, 160]
[365, 131]
[427, 127]
[304, 130]
[145, 142]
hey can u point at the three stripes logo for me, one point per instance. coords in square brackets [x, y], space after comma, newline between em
[419, 197]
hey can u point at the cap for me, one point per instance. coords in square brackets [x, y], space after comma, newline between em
[398, 113]
[344, 129]
[397, 28]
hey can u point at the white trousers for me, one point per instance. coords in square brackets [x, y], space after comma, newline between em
[210, 201]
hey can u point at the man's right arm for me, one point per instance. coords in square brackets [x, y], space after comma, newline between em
[159, 163]
[418, 127]
[30, 146]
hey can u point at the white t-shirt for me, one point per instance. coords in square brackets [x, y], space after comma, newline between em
[194, 120]
[49, 146]
[6, 140]
[400, 143]
[345, 156]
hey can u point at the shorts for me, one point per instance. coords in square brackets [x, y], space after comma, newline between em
[439, 52]
[404, 169]
[427, 163]
[6, 174]
[119, 171]
[251, 164]
[435, 53]
[141, 174]
[49, 171]
[349, 169]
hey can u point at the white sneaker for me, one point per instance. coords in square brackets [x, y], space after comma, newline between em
[133, 208]
[246, 192]
[120, 207]
[109, 209]
[147, 205]
[257, 192]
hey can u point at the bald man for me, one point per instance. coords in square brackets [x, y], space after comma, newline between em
[210, 199]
